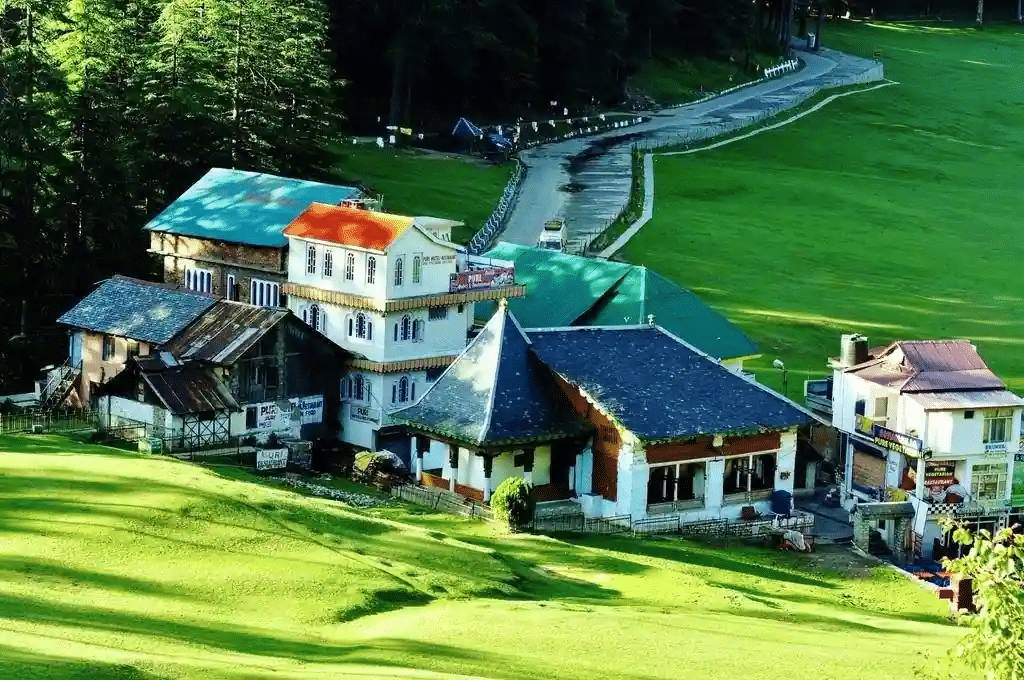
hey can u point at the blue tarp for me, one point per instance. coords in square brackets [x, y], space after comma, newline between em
[466, 129]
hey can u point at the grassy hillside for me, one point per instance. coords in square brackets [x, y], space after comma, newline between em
[893, 213]
[677, 78]
[417, 182]
[117, 565]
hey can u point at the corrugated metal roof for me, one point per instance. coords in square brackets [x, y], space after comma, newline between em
[952, 401]
[139, 310]
[225, 332]
[244, 207]
[563, 290]
[349, 226]
[187, 388]
[930, 366]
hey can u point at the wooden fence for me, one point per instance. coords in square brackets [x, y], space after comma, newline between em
[445, 501]
[576, 522]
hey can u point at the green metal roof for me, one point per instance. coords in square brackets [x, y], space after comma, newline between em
[244, 207]
[569, 290]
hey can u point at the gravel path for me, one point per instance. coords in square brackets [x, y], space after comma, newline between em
[585, 181]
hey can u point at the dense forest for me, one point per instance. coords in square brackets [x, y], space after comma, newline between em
[110, 108]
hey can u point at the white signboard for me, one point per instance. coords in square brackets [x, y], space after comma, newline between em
[311, 410]
[266, 416]
[271, 459]
[365, 414]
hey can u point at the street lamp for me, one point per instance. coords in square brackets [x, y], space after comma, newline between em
[785, 383]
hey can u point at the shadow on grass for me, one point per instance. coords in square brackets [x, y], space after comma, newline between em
[703, 556]
[25, 665]
[57, 574]
[773, 599]
[816, 620]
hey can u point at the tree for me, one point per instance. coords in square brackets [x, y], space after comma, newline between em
[995, 643]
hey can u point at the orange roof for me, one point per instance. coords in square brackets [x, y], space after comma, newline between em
[348, 226]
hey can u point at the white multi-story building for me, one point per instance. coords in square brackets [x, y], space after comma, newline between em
[396, 292]
[931, 420]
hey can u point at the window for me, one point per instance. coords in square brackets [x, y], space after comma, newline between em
[350, 267]
[133, 348]
[676, 482]
[997, 426]
[357, 388]
[250, 418]
[360, 327]
[416, 268]
[314, 317]
[881, 408]
[417, 330]
[403, 390]
[311, 259]
[399, 265]
[437, 313]
[749, 473]
[264, 293]
[328, 263]
[199, 280]
[988, 482]
[231, 287]
[109, 347]
[968, 415]
[404, 329]
[371, 269]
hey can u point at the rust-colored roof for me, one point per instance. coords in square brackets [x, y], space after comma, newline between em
[224, 332]
[349, 226]
[185, 388]
[930, 366]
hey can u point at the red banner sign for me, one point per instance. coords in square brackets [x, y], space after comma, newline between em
[477, 279]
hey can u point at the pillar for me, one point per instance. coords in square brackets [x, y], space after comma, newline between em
[420, 445]
[919, 489]
[585, 469]
[453, 463]
[528, 460]
[713, 481]
[488, 469]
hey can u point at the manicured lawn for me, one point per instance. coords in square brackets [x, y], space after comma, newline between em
[425, 183]
[118, 565]
[893, 213]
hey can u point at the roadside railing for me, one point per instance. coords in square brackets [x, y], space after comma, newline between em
[483, 239]
[48, 421]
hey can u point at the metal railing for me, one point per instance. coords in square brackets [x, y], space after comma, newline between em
[48, 421]
[483, 239]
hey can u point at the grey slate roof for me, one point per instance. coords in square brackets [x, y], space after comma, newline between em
[660, 388]
[497, 392]
[136, 309]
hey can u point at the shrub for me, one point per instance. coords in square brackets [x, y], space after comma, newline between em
[513, 503]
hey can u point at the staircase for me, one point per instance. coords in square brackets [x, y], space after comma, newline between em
[59, 383]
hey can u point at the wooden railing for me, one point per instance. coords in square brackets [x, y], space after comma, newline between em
[435, 481]
[469, 492]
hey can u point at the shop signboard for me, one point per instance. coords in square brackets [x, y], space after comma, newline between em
[938, 474]
[271, 459]
[311, 409]
[896, 441]
[482, 279]
[1017, 483]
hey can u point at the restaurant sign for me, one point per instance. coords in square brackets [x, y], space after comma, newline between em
[938, 474]
[271, 459]
[1017, 484]
[365, 414]
[896, 441]
[482, 279]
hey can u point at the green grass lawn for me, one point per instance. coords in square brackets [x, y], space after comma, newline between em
[417, 182]
[119, 565]
[894, 213]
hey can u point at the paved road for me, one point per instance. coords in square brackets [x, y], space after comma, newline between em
[585, 181]
[830, 523]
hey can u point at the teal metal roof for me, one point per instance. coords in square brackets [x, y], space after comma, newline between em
[244, 207]
[569, 290]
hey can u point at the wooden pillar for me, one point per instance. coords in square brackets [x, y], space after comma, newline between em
[453, 463]
[528, 460]
[488, 469]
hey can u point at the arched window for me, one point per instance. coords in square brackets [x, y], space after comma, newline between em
[399, 266]
[313, 316]
[363, 327]
[350, 267]
[417, 330]
[358, 388]
[406, 328]
[371, 269]
[403, 390]
[328, 263]
[416, 269]
[311, 259]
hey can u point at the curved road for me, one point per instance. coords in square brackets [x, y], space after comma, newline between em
[585, 181]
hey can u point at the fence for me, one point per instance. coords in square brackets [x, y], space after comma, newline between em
[711, 130]
[723, 527]
[483, 239]
[445, 501]
[49, 421]
[576, 522]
